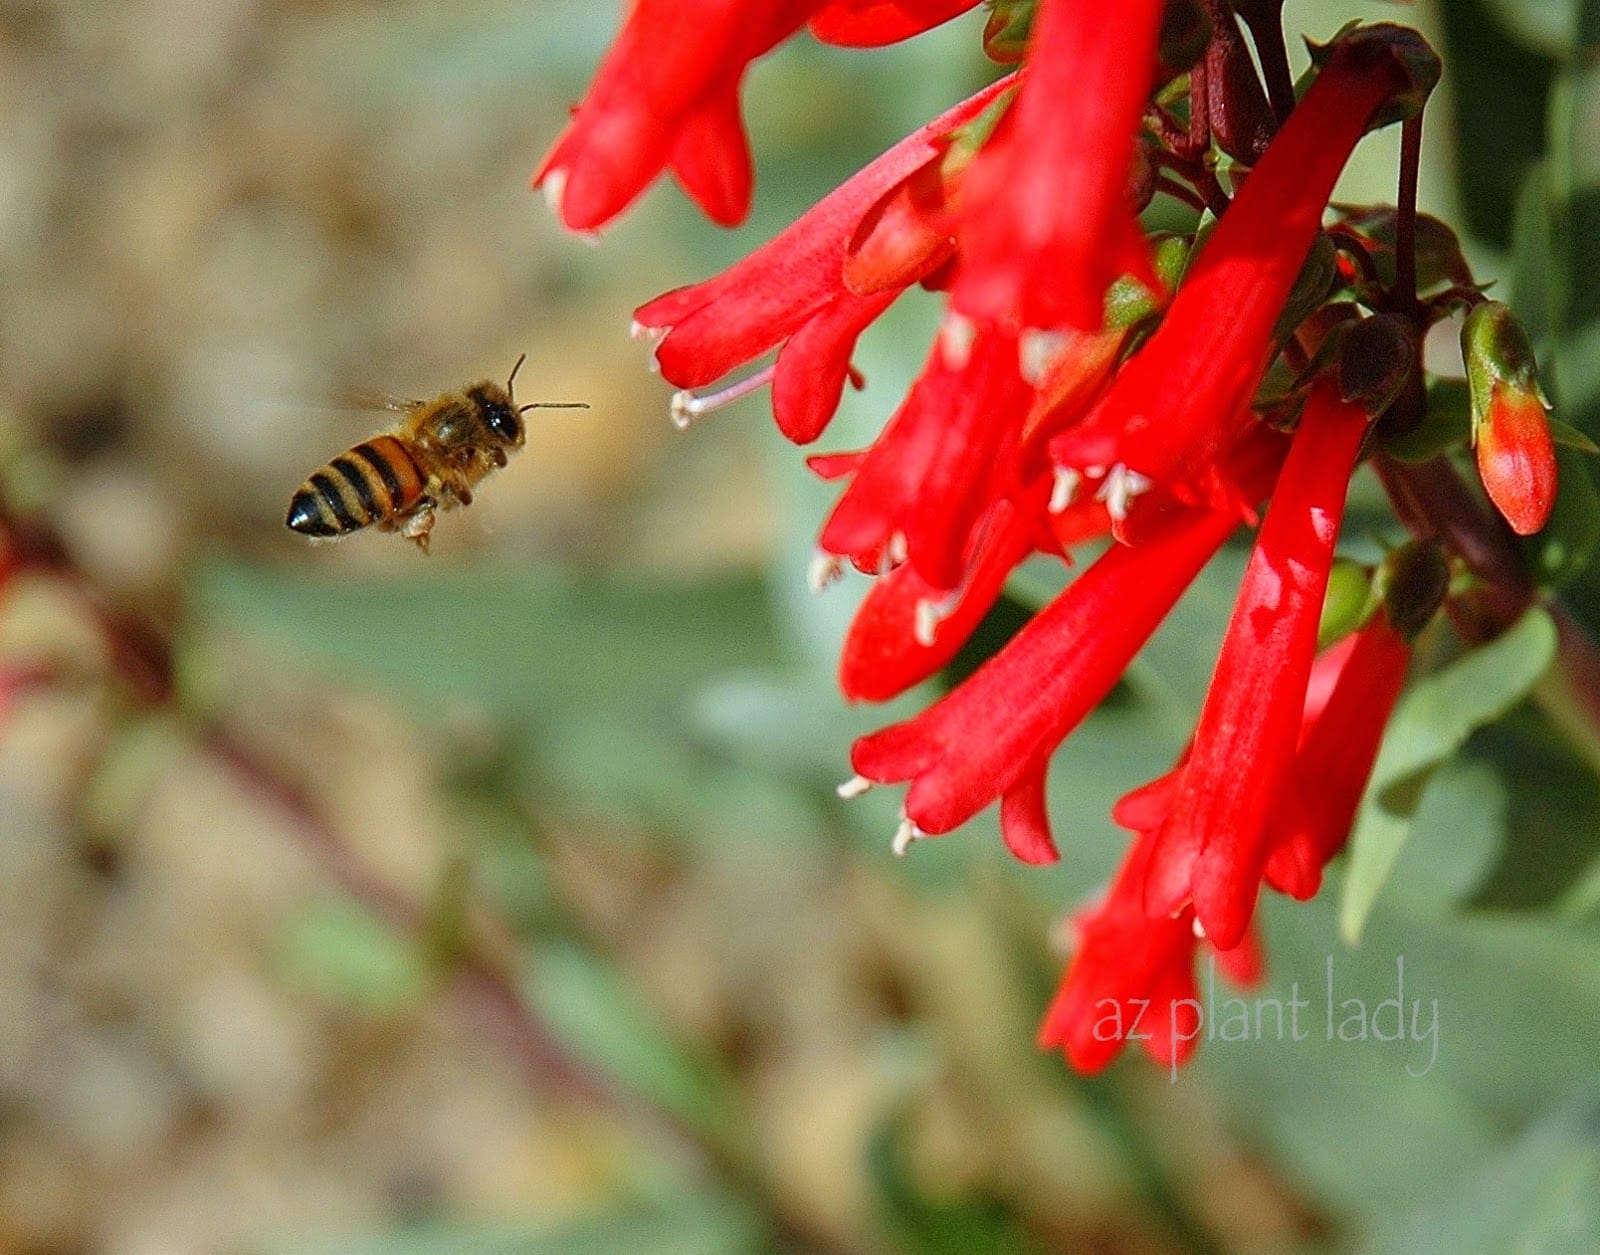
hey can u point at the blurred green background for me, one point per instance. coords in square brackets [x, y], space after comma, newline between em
[554, 936]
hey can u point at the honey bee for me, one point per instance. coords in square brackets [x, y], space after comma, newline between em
[431, 461]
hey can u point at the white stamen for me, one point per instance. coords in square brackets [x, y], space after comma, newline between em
[654, 335]
[1119, 489]
[824, 569]
[687, 407]
[956, 334]
[853, 787]
[931, 612]
[904, 835]
[1199, 929]
[898, 549]
[1037, 352]
[1065, 488]
[555, 189]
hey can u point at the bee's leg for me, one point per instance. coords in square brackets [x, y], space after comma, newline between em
[453, 490]
[499, 456]
[418, 524]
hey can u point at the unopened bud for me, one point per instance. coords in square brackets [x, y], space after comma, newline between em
[1348, 602]
[1413, 582]
[1376, 357]
[1128, 301]
[1516, 457]
[1005, 34]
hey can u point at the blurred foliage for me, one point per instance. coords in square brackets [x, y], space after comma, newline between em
[592, 741]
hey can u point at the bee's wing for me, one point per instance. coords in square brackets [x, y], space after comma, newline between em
[364, 399]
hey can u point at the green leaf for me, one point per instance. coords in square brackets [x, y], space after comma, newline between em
[1498, 98]
[1540, 1196]
[343, 951]
[1447, 424]
[585, 1001]
[1570, 437]
[924, 1224]
[1552, 813]
[542, 643]
[1432, 721]
[1562, 549]
[688, 1226]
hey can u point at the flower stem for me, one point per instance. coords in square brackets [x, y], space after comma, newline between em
[1405, 226]
[1265, 20]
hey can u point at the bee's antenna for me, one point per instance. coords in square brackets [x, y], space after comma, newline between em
[552, 405]
[512, 379]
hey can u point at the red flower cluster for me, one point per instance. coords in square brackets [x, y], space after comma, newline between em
[1087, 382]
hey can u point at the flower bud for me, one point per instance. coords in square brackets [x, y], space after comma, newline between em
[1005, 34]
[1413, 582]
[1347, 604]
[1516, 457]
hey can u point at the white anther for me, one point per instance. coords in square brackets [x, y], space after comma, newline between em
[1199, 929]
[956, 334]
[824, 569]
[652, 335]
[687, 407]
[931, 612]
[853, 787]
[1064, 490]
[1119, 489]
[555, 188]
[898, 549]
[904, 835]
[1037, 351]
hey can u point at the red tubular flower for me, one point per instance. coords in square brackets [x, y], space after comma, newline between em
[667, 94]
[993, 735]
[1132, 977]
[1047, 220]
[939, 464]
[906, 629]
[1213, 844]
[1338, 745]
[792, 289]
[873, 23]
[1178, 399]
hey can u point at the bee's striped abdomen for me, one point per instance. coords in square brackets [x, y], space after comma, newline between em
[374, 481]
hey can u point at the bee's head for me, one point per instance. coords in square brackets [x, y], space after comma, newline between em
[500, 414]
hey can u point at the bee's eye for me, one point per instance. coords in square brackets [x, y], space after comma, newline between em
[504, 421]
